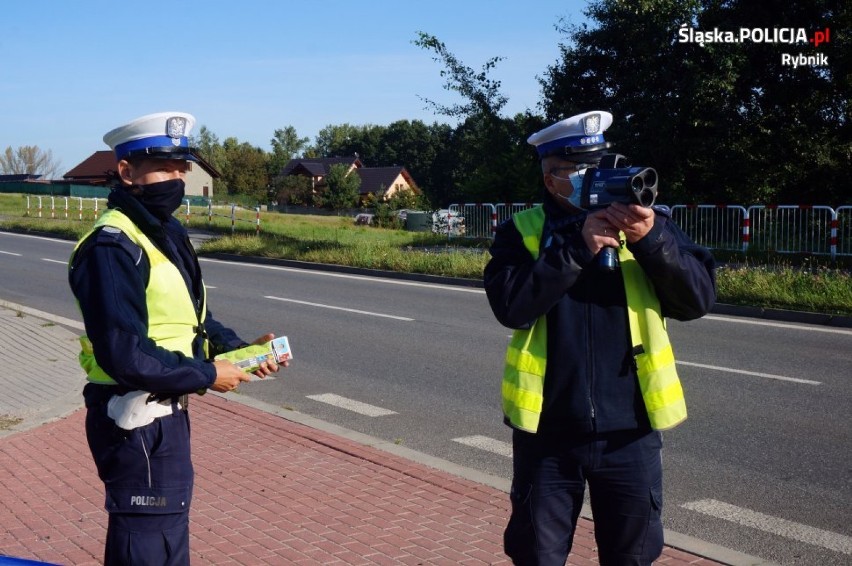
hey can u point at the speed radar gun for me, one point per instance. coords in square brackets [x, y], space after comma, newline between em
[249, 358]
[614, 180]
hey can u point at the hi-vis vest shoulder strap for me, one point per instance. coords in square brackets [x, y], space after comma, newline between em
[526, 357]
[172, 320]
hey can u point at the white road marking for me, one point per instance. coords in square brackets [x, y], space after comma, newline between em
[356, 311]
[777, 324]
[773, 525]
[348, 276]
[754, 373]
[45, 238]
[54, 261]
[486, 443]
[351, 405]
[9, 253]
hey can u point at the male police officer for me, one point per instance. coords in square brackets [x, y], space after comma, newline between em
[590, 376]
[149, 343]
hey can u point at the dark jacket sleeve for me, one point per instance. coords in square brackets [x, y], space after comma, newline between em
[222, 339]
[681, 271]
[521, 289]
[108, 277]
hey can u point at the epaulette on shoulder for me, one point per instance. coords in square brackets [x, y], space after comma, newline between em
[662, 209]
[113, 236]
[109, 233]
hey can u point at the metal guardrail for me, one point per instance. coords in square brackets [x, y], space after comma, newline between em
[818, 230]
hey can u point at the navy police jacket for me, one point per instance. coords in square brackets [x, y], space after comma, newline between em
[108, 276]
[590, 383]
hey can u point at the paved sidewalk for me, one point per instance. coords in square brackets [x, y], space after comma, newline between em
[272, 487]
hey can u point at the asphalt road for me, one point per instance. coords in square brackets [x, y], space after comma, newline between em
[762, 466]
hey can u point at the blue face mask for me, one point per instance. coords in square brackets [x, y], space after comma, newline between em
[576, 179]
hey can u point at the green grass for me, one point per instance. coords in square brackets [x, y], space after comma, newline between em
[783, 286]
[337, 240]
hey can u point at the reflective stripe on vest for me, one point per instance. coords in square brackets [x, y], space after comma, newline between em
[171, 315]
[526, 357]
[655, 361]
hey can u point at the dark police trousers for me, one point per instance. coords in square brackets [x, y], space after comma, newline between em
[148, 476]
[624, 474]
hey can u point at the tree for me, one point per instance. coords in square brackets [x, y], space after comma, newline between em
[332, 140]
[245, 170]
[29, 160]
[493, 162]
[343, 185]
[422, 150]
[286, 144]
[482, 94]
[721, 122]
[295, 189]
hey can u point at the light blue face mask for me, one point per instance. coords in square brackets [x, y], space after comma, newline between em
[576, 180]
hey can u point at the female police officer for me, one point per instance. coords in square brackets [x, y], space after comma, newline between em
[149, 343]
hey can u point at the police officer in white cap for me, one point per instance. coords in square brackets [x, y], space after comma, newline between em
[150, 341]
[571, 385]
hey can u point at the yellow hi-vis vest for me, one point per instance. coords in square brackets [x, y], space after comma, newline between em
[172, 320]
[526, 357]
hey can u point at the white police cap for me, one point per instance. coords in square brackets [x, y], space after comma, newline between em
[578, 134]
[163, 135]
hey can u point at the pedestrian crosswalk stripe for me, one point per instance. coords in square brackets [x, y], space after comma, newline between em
[773, 525]
[486, 443]
[351, 405]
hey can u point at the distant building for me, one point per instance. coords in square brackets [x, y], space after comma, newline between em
[98, 170]
[383, 182]
[22, 178]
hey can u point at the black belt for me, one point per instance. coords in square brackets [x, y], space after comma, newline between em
[182, 399]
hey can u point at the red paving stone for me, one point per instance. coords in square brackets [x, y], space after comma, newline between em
[267, 491]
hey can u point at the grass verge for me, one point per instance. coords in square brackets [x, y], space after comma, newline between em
[809, 287]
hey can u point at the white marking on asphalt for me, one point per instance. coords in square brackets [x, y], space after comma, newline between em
[348, 276]
[777, 324]
[45, 238]
[9, 253]
[356, 311]
[773, 525]
[486, 443]
[54, 261]
[754, 373]
[351, 405]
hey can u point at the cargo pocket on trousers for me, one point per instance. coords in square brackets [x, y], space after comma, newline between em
[656, 502]
[519, 535]
[652, 546]
[167, 547]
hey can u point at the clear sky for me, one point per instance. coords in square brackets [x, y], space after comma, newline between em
[72, 70]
